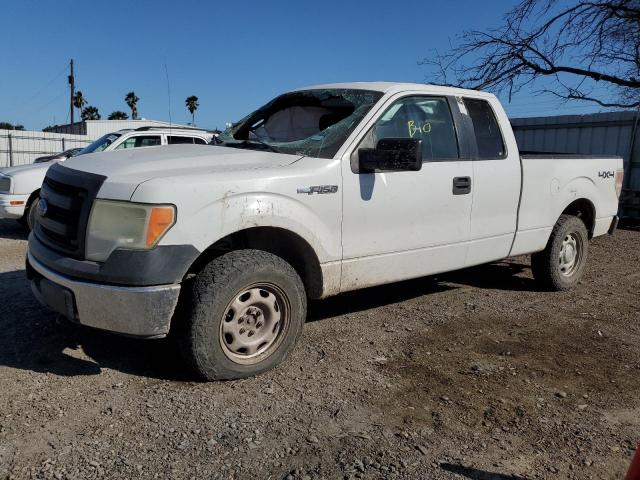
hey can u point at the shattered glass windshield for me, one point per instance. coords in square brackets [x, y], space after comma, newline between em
[313, 123]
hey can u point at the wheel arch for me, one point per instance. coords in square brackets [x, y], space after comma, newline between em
[284, 243]
[584, 209]
[35, 194]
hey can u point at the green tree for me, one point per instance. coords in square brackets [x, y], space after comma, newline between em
[79, 101]
[10, 126]
[192, 105]
[90, 113]
[118, 115]
[132, 102]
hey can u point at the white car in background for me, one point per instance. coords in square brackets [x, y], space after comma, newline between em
[20, 185]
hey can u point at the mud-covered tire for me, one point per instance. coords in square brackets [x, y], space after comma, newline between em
[552, 267]
[212, 314]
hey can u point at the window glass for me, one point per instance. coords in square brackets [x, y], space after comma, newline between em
[173, 140]
[101, 143]
[314, 123]
[425, 118]
[485, 126]
[140, 141]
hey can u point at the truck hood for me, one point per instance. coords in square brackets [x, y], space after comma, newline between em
[126, 169]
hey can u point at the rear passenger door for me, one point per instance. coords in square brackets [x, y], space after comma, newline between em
[398, 225]
[496, 181]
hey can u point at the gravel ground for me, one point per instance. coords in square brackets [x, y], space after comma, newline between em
[474, 374]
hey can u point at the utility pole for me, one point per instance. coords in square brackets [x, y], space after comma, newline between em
[72, 88]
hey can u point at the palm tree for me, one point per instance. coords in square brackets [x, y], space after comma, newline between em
[90, 113]
[192, 105]
[118, 115]
[79, 101]
[132, 101]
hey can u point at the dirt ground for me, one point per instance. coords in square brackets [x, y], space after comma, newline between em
[475, 374]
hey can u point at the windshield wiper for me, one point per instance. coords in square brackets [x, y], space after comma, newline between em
[242, 143]
[259, 140]
[250, 143]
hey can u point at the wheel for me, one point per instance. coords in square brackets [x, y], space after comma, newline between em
[241, 315]
[29, 218]
[560, 265]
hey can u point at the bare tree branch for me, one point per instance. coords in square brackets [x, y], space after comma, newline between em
[578, 44]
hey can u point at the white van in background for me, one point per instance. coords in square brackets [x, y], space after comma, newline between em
[20, 185]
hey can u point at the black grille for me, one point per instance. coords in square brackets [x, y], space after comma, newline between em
[68, 196]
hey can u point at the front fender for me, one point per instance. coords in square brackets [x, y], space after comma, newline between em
[316, 219]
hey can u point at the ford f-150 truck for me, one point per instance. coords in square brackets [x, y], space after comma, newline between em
[323, 190]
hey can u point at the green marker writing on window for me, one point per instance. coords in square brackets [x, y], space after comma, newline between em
[413, 128]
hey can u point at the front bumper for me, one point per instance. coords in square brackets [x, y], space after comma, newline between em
[135, 311]
[12, 206]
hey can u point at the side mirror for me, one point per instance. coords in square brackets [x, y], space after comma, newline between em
[392, 154]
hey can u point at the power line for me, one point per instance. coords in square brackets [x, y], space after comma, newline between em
[42, 107]
[38, 92]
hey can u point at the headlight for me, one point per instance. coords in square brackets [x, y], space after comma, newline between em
[5, 183]
[133, 226]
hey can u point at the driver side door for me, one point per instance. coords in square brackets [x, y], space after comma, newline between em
[406, 224]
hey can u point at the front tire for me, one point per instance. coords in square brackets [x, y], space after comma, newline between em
[241, 315]
[560, 266]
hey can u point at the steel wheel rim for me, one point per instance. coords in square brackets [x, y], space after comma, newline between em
[254, 323]
[570, 255]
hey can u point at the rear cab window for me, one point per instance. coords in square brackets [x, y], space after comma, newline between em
[489, 139]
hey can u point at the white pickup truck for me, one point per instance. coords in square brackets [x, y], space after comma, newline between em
[20, 185]
[323, 190]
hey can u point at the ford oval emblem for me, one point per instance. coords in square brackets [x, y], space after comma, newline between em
[43, 206]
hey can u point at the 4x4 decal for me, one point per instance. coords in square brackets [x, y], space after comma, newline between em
[607, 174]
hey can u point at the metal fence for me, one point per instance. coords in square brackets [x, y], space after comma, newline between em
[23, 147]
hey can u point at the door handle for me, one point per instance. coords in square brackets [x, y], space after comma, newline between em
[461, 185]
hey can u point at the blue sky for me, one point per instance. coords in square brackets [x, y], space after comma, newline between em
[234, 56]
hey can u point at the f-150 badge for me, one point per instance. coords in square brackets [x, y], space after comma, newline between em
[319, 189]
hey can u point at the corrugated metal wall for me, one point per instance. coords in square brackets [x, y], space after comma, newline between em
[615, 133]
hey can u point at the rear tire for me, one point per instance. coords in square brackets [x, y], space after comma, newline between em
[560, 266]
[241, 315]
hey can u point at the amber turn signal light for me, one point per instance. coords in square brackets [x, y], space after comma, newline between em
[160, 220]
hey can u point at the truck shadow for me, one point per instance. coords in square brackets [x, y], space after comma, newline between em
[368, 298]
[497, 276]
[475, 474]
[504, 275]
[12, 230]
[36, 339]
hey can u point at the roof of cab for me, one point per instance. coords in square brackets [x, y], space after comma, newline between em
[394, 87]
